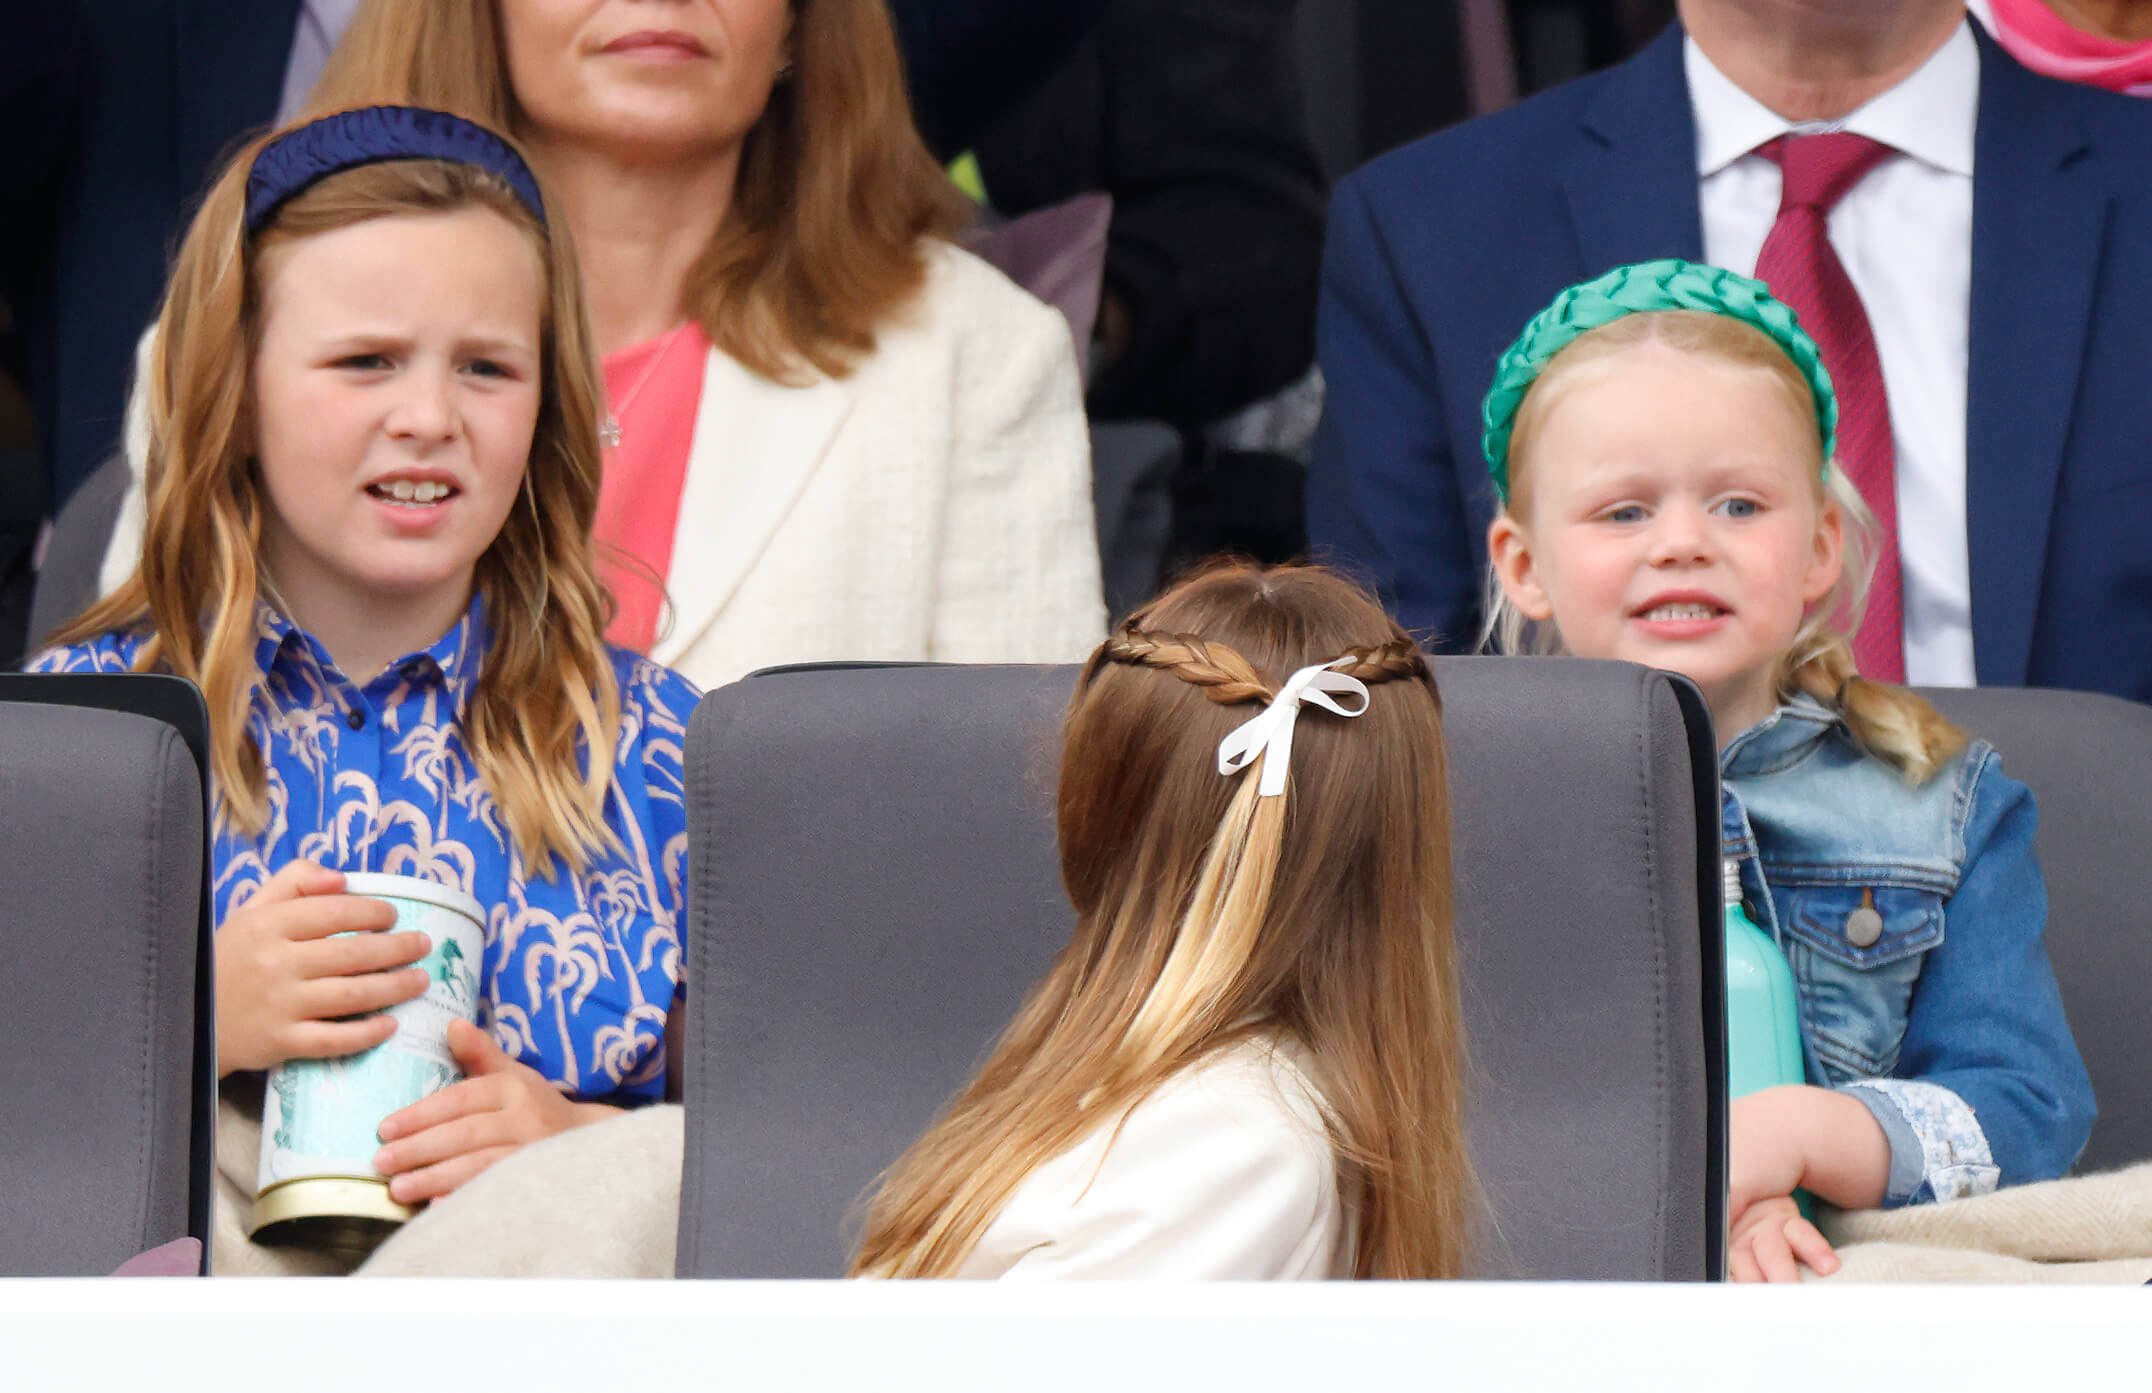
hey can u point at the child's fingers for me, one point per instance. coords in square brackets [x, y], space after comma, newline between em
[477, 1051]
[443, 1141]
[297, 878]
[1741, 1265]
[327, 998]
[319, 916]
[366, 952]
[1774, 1255]
[431, 1183]
[1811, 1247]
[335, 1039]
[458, 1100]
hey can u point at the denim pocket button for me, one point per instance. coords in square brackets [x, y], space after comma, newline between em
[1856, 952]
[1864, 926]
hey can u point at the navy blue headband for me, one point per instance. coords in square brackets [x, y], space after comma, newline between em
[300, 158]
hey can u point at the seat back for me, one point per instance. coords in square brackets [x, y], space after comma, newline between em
[74, 553]
[2088, 760]
[104, 1070]
[1132, 469]
[874, 886]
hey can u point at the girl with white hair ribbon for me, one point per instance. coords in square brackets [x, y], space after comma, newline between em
[1247, 1063]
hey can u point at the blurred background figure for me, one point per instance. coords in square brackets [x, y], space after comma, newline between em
[2102, 43]
[1381, 73]
[1556, 40]
[1216, 126]
[1188, 112]
[968, 61]
[117, 111]
[40, 61]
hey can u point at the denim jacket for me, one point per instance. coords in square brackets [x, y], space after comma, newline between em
[1939, 1011]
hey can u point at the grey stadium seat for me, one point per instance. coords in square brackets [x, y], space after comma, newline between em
[106, 1074]
[875, 885]
[2088, 760]
[67, 580]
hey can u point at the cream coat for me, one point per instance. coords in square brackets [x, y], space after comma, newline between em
[1225, 1172]
[935, 505]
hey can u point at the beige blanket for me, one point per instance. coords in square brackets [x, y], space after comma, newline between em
[604, 1201]
[600, 1201]
[2089, 1229]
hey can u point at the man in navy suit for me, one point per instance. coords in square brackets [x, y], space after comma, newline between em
[2003, 253]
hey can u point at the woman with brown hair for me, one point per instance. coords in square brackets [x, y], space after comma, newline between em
[1248, 1061]
[830, 433]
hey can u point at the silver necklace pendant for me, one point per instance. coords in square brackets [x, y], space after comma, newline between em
[609, 432]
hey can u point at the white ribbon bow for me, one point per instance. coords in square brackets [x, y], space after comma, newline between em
[1272, 729]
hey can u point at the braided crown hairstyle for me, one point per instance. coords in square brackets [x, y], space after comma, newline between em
[1207, 913]
[1227, 678]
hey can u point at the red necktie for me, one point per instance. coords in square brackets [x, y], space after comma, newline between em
[1801, 267]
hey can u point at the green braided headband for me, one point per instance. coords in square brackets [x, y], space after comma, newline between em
[1644, 288]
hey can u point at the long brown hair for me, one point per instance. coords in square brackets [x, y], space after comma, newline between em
[1206, 913]
[835, 194]
[547, 688]
[1895, 725]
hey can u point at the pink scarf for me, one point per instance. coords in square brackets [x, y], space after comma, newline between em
[2040, 39]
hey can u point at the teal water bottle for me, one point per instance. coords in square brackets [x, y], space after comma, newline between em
[1763, 1016]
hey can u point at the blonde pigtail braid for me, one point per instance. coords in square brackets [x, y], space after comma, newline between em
[1895, 725]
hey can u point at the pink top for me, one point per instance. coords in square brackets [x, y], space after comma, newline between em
[655, 388]
[2047, 43]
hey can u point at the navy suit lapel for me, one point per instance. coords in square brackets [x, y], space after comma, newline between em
[2039, 217]
[1631, 179]
[230, 59]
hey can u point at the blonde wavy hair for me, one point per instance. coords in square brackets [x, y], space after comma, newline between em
[836, 191]
[1895, 725]
[541, 723]
[1207, 913]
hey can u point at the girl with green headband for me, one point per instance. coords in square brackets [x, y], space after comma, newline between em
[1661, 441]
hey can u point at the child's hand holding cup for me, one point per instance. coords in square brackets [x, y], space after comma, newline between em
[318, 1186]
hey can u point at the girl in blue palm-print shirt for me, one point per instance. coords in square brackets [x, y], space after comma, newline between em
[369, 544]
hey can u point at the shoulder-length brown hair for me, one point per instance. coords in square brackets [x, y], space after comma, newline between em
[1207, 913]
[835, 194]
[542, 720]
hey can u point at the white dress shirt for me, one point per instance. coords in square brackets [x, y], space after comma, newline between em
[1905, 234]
[1224, 1172]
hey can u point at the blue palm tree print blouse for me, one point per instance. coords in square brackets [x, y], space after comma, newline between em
[581, 968]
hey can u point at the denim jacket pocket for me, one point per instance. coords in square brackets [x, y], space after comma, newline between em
[1856, 978]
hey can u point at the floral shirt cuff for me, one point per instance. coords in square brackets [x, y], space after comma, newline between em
[1937, 1150]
